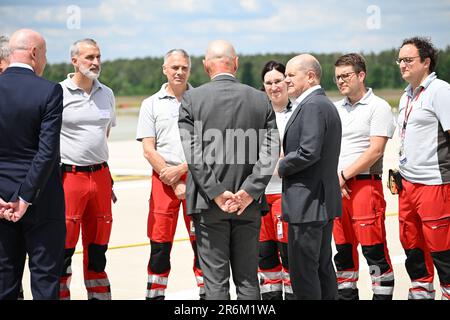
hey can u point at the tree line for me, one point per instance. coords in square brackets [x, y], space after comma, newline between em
[143, 76]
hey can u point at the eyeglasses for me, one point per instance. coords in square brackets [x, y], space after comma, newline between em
[406, 60]
[275, 82]
[345, 77]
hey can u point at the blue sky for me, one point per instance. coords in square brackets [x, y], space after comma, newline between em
[138, 28]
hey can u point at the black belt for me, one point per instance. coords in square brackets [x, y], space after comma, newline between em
[92, 168]
[366, 177]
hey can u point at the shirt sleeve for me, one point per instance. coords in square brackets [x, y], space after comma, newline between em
[113, 110]
[146, 122]
[382, 123]
[440, 105]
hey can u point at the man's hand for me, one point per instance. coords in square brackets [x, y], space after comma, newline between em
[345, 191]
[180, 189]
[3, 207]
[226, 202]
[244, 200]
[16, 211]
[170, 175]
[278, 162]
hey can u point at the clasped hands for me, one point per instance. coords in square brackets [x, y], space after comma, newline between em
[171, 176]
[12, 211]
[233, 202]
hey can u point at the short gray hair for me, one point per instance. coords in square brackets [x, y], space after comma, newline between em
[75, 50]
[317, 69]
[4, 48]
[177, 51]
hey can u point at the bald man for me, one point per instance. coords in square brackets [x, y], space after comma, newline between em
[231, 145]
[31, 194]
[311, 196]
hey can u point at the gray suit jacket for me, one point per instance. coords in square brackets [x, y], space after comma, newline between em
[312, 143]
[230, 140]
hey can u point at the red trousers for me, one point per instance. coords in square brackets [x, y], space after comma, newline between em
[162, 223]
[88, 209]
[362, 222]
[424, 214]
[273, 238]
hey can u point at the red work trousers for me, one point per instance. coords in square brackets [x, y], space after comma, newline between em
[424, 214]
[88, 208]
[162, 223]
[362, 222]
[273, 272]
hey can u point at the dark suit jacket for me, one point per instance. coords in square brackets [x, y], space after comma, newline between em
[30, 123]
[312, 143]
[211, 116]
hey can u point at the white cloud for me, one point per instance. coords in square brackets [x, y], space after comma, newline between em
[141, 27]
[249, 5]
[43, 15]
[106, 10]
[189, 6]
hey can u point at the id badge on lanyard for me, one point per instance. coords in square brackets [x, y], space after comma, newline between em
[279, 228]
[409, 106]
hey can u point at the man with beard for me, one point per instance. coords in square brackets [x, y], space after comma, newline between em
[87, 119]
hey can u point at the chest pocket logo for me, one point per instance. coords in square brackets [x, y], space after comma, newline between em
[104, 114]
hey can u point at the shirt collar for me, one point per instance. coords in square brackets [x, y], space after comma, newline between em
[223, 74]
[21, 65]
[364, 100]
[72, 86]
[425, 83]
[163, 94]
[298, 101]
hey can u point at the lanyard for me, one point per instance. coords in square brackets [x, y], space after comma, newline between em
[408, 109]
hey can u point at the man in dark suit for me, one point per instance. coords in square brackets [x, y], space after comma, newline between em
[231, 145]
[31, 194]
[311, 193]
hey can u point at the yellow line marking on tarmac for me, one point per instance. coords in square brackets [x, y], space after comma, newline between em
[127, 246]
[129, 178]
[392, 214]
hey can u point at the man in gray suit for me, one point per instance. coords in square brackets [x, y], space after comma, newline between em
[231, 145]
[311, 192]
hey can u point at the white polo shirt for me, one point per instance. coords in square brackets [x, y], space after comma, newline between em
[282, 118]
[426, 144]
[86, 119]
[158, 118]
[370, 116]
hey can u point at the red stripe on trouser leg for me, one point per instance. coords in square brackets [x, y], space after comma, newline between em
[156, 285]
[271, 280]
[445, 291]
[286, 280]
[64, 288]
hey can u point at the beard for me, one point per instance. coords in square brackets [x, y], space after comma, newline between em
[89, 73]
